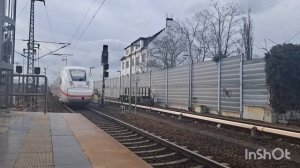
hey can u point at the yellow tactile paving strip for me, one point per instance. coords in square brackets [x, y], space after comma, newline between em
[101, 149]
[36, 151]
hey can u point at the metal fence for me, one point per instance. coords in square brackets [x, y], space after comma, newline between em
[27, 94]
[222, 87]
[6, 82]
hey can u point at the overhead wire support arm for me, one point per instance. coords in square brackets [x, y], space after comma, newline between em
[21, 54]
[62, 54]
[52, 52]
[51, 42]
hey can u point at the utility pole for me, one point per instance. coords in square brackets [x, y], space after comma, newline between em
[31, 44]
[30, 81]
[65, 58]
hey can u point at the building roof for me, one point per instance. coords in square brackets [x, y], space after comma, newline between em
[147, 40]
[151, 38]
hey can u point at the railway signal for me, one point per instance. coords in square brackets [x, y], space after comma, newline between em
[104, 62]
[105, 68]
[104, 58]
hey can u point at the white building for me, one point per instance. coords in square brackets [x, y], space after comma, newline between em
[138, 51]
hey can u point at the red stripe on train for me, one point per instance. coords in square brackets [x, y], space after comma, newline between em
[66, 94]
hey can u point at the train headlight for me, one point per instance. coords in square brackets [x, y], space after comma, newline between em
[71, 83]
[87, 83]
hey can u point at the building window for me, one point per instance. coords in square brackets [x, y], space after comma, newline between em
[122, 65]
[137, 47]
[132, 62]
[137, 62]
[141, 43]
[9, 7]
[127, 64]
[7, 43]
[144, 58]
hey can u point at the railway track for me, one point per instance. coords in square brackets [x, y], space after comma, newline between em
[156, 151]
[290, 133]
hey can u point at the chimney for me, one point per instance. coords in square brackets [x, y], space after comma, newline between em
[169, 22]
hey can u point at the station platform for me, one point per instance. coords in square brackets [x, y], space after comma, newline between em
[59, 140]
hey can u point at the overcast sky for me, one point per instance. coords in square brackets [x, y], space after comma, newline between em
[120, 22]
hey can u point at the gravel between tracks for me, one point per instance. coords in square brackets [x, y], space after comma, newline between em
[53, 105]
[223, 145]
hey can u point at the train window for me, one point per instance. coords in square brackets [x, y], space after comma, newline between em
[78, 74]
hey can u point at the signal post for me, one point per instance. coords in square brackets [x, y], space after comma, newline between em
[104, 62]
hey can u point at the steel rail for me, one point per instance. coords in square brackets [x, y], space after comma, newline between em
[244, 125]
[182, 150]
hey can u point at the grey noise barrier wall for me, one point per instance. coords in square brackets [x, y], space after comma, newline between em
[224, 87]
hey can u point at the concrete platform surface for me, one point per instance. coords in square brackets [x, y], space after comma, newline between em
[59, 140]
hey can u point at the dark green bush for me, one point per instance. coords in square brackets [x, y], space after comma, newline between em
[283, 77]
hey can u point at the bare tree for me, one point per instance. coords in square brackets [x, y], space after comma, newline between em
[247, 36]
[210, 33]
[167, 50]
[223, 22]
[201, 49]
[188, 29]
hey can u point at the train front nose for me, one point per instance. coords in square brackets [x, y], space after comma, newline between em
[80, 94]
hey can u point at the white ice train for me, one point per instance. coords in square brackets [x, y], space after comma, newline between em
[73, 85]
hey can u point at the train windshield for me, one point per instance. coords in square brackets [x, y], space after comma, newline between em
[78, 74]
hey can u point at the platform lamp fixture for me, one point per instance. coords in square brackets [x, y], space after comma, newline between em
[19, 69]
[37, 70]
[104, 62]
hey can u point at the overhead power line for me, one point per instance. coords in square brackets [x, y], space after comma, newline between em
[39, 41]
[23, 8]
[52, 52]
[49, 23]
[89, 24]
[80, 24]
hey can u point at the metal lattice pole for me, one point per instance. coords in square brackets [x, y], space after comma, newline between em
[30, 50]
[30, 46]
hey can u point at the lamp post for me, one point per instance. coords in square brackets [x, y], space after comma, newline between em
[120, 86]
[65, 59]
[91, 70]
[130, 74]
[136, 90]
